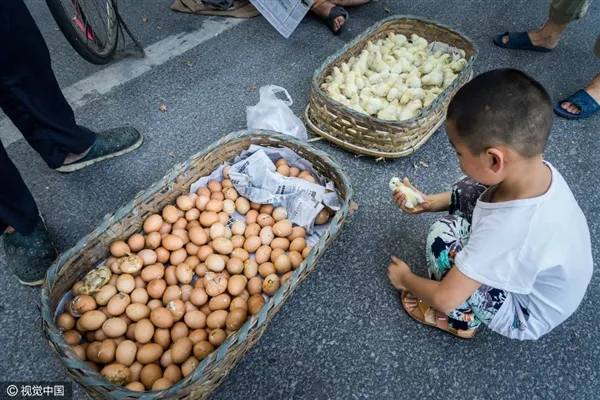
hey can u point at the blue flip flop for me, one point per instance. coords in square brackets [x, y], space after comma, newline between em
[581, 99]
[518, 41]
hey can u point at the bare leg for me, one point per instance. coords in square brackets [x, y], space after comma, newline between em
[323, 9]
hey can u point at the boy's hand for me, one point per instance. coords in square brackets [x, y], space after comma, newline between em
[400, 200]
[397, 271]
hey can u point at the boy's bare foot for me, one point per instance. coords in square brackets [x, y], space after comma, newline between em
[546, 37]
[593, 90]
[9, 229]
[71, 158]
[323, 9]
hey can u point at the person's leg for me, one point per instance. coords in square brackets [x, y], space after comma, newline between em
[560, 15]
[29, 93]
[464, 196]
[324, 8]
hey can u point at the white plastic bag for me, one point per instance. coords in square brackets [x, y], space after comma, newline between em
[275, 114]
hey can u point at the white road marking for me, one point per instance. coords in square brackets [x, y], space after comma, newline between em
[102, 82]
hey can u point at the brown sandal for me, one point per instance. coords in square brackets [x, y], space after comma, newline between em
[429, 316]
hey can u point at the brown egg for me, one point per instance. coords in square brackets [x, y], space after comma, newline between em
[280, 243]
[190, 307]
[177, 309]
[112, 264]
[266, 235]
[276, 253]
[144, 331]
[217, 337]
[81, 304]
[203, 350]
[220, 302]
[198, 335]
[192, 215]
[170, 276]
[152, 224]
[172, 292]
[216, 319]
[238, 241]
[306, 251]
[80, 351]
[308, 178]
[215, 263]
[193, 261]
[204, 252]
[105, 311]
[255, 206]
[118, 303]
[161, 384]
[136, 311]
[195, 319]
[283, 228]
[298, 244]
[283, 264]
[242, 205]
[117, 374]
[185, 203]
[162, 336]
[156, 288]
[139, 282]
[154, 271]
[235, 266]
[181, 223]
[136, 369]
[294, 171]
[149, 353]
[297, 232]
[172, 242]
[135, 386]
[236, 285]
[139, 295]
[114, 327]
[266, 209]
[285, 277]
[186, 292]
[150, 374]
[214, 186]
[239, 302]
[198, 297]
[214, 205]
[136, 242]
[126, 352]
[192, 250]
[223, 218]
[126, 283]
[72, 337]
[65, 322]
[154, 303]
[208, 218]
[228, 207]
[179, 330]
[173, 373]
[203, 191]
[189, 366]
[265, 220]
[252, 230]
[130, 334]
[240, 254]
[236, 318]
[106, 351]
[181, 350]
[113, 279]
[252, 217]
[201, 202]
[263, 254]
[166, 359]
[322, 218]
[295, 258]
[281, 161]
[161, 317]
[165, 228]
[99, 335]
[255, 285]
[222, 245]
[119, 249]
[279, 214]
[266, 269]
[214, 284]
[271, 284]
[184, 273]
[217, 196]
[255, 303]
[205, 309]
[178, 257]
[250, 269]
[162, 255]
[170, 214]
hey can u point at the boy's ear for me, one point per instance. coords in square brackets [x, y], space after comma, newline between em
[496, 159]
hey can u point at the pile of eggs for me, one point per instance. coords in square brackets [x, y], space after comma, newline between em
[167, 298]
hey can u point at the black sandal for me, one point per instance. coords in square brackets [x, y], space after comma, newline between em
[337, 11]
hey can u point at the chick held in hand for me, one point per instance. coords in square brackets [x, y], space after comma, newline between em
[412, 197]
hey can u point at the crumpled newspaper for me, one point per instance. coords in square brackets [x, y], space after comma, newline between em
[254, 176]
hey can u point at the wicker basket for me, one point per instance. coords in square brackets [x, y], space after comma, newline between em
[363, 134]
[73, 264]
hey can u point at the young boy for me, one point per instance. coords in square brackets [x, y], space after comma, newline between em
[514, 253]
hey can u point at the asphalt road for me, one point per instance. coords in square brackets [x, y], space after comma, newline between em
[342, 334]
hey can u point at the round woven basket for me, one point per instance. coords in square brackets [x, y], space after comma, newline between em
[363, 134]
[92, 249]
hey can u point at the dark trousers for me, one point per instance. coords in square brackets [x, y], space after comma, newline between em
[32, 99]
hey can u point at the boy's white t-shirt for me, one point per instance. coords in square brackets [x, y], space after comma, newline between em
[536, 249]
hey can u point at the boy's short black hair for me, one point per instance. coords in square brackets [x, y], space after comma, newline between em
[502, 107]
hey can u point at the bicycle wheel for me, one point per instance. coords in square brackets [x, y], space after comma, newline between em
[90, 26]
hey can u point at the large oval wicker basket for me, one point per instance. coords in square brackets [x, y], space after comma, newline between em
[73, 264]
[363, 134]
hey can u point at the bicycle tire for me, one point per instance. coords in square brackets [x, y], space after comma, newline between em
[66, 26]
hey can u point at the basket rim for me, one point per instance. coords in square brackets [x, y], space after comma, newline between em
[373, 28]
[53, 272]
